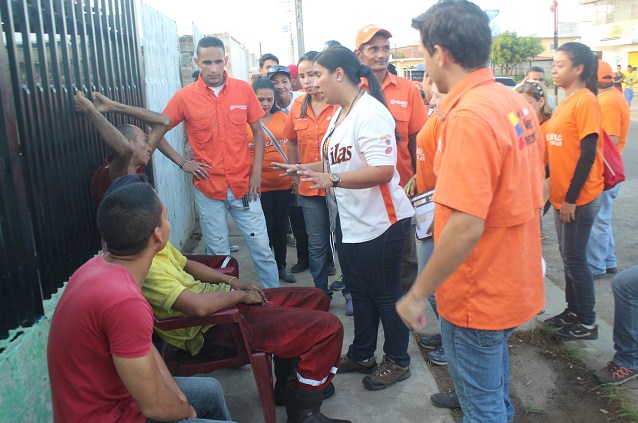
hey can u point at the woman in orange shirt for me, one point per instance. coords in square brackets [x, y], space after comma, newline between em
[307, 123]
[275, 191]
[576, 171]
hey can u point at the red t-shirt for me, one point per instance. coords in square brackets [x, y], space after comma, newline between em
[101, 314]
[101, 180]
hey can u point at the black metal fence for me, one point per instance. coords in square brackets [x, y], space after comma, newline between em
[51, 49]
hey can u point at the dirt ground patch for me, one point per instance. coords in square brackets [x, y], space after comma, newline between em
[549, 384]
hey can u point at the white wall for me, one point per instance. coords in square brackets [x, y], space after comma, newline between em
[162, 78]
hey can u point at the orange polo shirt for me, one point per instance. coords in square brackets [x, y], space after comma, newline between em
[491, 167]
[216, 130]
[615, 115]
[406, 105]
[271, 179]
[426, 142]
[574, 118]
[308, 132]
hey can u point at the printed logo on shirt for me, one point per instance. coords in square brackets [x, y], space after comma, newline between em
[239, 106]
[420, 155]
[401, 103]
[340, 154]
[519, 120]
[388, 150]
[269, 142]
[554, 139]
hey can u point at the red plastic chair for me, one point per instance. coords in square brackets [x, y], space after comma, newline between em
[181, 363]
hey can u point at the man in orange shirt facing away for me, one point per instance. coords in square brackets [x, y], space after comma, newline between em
[601, 249]
[409, 112]
[486, 264]
[215, 110]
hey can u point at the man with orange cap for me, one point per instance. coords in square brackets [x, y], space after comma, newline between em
[406, 105]
[601, 249]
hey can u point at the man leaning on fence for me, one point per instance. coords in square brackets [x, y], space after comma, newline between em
[215, 110]
[102, 363]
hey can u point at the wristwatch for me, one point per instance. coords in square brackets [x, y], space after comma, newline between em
[336, 179]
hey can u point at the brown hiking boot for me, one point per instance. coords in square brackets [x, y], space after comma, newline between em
[347, 365]
[386, 374]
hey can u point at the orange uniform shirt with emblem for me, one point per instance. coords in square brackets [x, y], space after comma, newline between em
[216, 130]
[491, 167]
[271, 179]
[575, 117]
[410, 114]
[615, 115]
[308, 132]
[426, 141]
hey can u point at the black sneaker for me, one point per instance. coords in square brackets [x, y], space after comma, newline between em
[445, 399]
[566, 318]
[331, 269]
[612, 270]
[300, 266]
[615, 374]
[437, 356]
[577, 331]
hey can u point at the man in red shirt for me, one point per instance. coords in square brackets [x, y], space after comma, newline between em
[102, 363]
[409, 112]
[215, 110]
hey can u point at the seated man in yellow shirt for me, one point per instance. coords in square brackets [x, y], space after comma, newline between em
[290, 323]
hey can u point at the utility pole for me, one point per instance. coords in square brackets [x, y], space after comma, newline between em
[554, 8]
[301, 49]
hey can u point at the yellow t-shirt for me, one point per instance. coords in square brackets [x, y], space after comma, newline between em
[166, 280]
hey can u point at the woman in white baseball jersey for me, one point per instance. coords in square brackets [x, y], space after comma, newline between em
[359, 164]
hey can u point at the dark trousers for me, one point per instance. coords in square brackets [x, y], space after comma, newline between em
[372, 270]
[298, 226]
[276, 207]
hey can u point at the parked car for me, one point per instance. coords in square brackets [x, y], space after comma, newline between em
[509, 82]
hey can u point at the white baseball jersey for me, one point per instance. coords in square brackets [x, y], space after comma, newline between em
[366, 138]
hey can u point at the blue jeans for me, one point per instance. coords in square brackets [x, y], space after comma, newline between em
[372, 270]
[424, 250]
[479, 363]
[252, 225]
[206, 396]
[572, 242]
[601, 250]
[625, 288]
[315, 214]
[629, 95]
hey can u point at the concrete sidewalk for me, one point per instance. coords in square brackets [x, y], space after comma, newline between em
[406, 401]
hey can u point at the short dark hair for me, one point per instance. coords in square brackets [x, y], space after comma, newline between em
[129, 131]
[580, 54]
[535, 69]
[127, 218]
[267, 56]
[210, 42]
[460, 27]
[265, 83]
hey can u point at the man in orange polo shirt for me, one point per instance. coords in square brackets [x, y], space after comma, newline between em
[601, 248]
[215, 110]
[486, 264]
[406, 105]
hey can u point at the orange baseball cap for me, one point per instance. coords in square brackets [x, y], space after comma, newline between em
[605, 74]
[366, 33]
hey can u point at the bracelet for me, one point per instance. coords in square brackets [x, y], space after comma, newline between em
[231, 279]
[295, 182]
[183, 163]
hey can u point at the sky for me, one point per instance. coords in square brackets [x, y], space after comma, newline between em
[261, 25]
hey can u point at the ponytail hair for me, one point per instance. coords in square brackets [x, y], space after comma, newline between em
[580, 54]
[310, 57]
[344, 58]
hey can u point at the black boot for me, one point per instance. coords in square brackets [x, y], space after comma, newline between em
[303, 406]
[284, 368]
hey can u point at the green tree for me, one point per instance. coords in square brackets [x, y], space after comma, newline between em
[509, 49]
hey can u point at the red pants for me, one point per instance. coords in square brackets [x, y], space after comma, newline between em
[296, 323]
